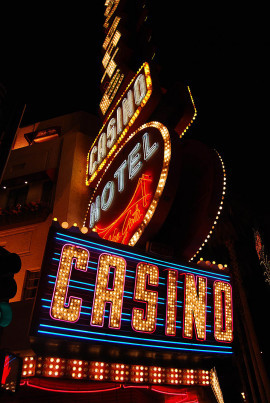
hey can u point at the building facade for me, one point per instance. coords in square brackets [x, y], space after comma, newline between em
[44, 182]
[110, 220]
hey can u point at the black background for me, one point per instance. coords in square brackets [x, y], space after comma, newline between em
[220, 51]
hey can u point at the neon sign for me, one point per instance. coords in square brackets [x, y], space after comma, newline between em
[10, 371]
[95, 294]
[136, 176]
[109, 63]
[134, 213]
[117, 125]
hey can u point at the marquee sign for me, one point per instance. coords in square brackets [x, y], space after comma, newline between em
[116, 126]
[97, 296]
[134, 179]
[129, 162]
[112, 71]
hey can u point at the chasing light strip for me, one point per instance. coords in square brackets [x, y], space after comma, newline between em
[111, 32]
[75, 369]
[219, 209]
[110, 11]
[194, 114]
[216, 386]
[111, 90]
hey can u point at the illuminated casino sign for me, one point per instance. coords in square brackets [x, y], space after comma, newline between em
[97, 297]
[128, 165]
[118, 123]
[131, 164]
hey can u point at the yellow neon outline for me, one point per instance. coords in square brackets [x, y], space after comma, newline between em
[162, 179]
[148, 80]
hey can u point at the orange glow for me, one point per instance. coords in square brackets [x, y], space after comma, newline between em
[144, 320]
[140, 214]
[104, 295]
[53, 367]
[122, 228]
[146, 70]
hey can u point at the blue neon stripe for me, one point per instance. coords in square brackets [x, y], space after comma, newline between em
[107, 316]
[73, 286]
[90, 264]
[74, 281]
[81, 313]
[88, 289]
[135, 344]
[126, 253]
[93, 287]
[179, 304]
[95, 268]
[125, 292]
[10, 361]
[82, 282]
[172, 343]
[177, 322]
[90, 338]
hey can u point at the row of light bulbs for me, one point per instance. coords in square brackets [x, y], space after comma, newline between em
[219, 209]
[54, 367]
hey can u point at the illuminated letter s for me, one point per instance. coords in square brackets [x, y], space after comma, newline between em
[145, 321]
[104, 294]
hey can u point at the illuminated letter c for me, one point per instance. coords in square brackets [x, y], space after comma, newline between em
[60, 309]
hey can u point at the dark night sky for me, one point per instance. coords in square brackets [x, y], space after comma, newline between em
[221, 53]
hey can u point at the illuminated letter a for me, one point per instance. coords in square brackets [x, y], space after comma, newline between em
[104, 294]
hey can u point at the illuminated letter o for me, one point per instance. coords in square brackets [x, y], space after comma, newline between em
[140, 89]
[92, 161]
[111, 133]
